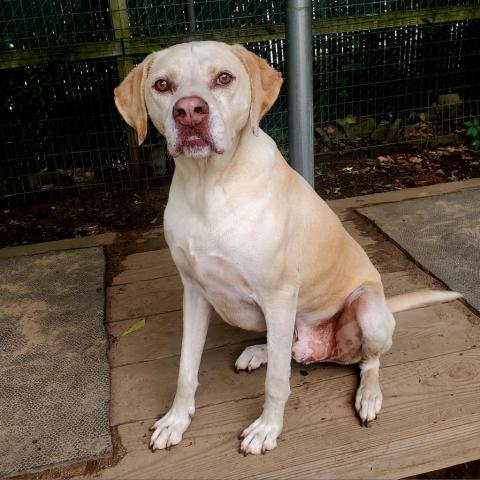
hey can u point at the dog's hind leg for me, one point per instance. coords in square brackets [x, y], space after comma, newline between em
[252, 358]
[377, 325]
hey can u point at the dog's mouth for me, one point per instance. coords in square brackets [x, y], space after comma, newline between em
[195, 141]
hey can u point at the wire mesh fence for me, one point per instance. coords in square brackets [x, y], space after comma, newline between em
[385, 72]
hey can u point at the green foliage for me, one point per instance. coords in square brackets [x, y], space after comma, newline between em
[473, 133]
[279, 135]
[31, 24]
[345, 76]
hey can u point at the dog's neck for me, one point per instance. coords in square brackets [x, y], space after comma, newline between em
[205, 183]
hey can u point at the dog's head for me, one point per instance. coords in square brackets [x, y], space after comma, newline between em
[199, 95]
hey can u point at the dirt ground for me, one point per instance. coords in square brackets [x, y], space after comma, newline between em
[358, 174]
[82, 216]
[347, 176]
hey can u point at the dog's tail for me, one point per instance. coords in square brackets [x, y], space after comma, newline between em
[420, 298]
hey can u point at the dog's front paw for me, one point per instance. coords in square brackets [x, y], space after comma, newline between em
[368, 400]
[259, 437]
[169, 429]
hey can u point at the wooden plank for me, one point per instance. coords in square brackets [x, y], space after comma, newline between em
[420, 428]
[121, 30]
[403, 18]
[365, 234]
[161, 337]
[345, 207]
[325, 26]
[128, 243]
[430, 419]
[420, 334]
[119, 17]
[149, 273]
[404, 281]
[258, 33]
[162, 333]
[61, 54]
[66, 244]
[151, 297]
[386, 257]
[145, 266]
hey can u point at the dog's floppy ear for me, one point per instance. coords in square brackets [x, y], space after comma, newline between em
[130, 98]
[265, 84]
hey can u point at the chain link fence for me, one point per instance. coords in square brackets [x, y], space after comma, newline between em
[385, 72]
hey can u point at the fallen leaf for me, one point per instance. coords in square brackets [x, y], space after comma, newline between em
[133, 328]
[415, 160]
[386, 159]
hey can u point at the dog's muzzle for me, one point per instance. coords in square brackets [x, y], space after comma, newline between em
[192, 121]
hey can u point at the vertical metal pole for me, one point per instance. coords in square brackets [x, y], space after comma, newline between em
[190, 6]
[300, 87]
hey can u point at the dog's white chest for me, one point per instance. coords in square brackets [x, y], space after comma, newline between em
[214, 257]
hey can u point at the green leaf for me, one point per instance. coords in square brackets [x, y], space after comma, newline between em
[468, 124]
[351, 66]
[133, 328]
[472, 132]
[476, 144]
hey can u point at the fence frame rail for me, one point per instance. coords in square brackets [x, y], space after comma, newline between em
[125, 45]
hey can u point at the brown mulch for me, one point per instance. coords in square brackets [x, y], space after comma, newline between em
[81, 216]
[360, 174]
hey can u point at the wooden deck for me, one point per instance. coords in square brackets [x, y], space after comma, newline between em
[430, 379]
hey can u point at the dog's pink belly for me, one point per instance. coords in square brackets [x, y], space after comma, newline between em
[336, 340]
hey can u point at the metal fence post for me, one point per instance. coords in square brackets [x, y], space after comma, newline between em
[300, 87]
[190, 11]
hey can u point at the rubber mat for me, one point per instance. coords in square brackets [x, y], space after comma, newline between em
[441, 233]
[54, 372]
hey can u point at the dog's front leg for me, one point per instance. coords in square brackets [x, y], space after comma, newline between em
[196, 316]
[280, 311]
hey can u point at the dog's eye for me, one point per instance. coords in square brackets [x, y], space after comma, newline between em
[224, 78]
[161, 85]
